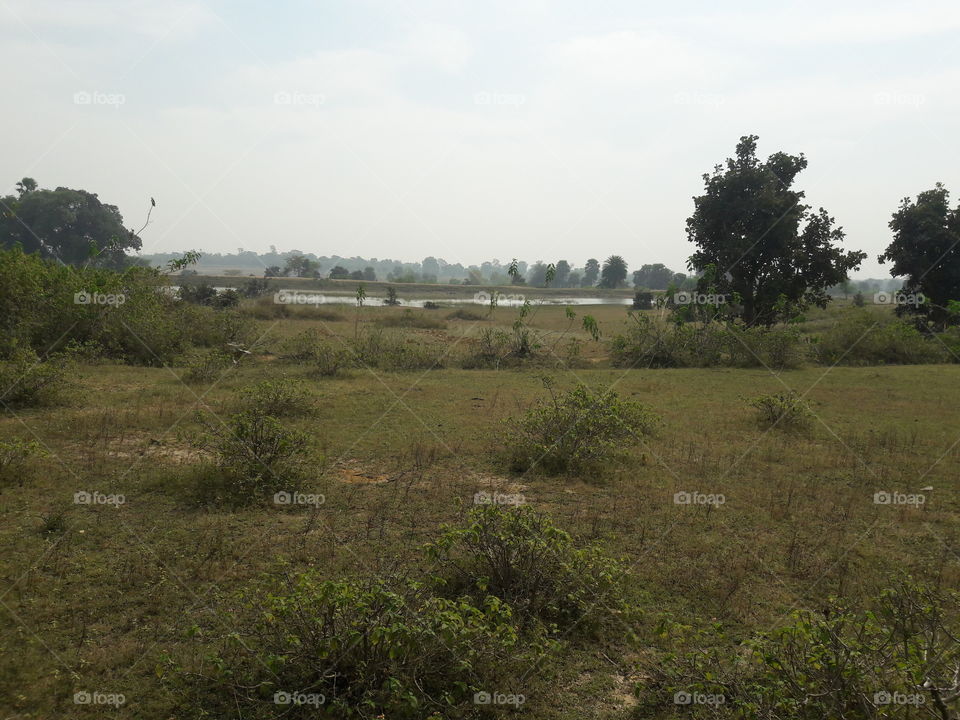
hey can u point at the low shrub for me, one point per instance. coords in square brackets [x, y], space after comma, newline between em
[466, 314]
[578, 430]
[864, 338]
[521, 557]
[356, 649]
[897, 658]
[14, 457]
[283, 397]
[26, 380]
[205, 367]
[255, 456]
[322, 356]
[376, 348]
[782, 410]
[409, 319]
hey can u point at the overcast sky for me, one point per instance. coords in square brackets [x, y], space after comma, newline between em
[472, 130]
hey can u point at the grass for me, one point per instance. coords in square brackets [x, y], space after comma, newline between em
[98, 597]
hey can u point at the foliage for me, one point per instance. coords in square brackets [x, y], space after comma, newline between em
[14, 456]
[205, 367]
[312, 349]
[863, 338]
[376, 348]
[782, 410]
[279, 398]
[27, 380]
[897, 658]
[746, 227]
[70, 226]
[521, 557]
[408, 318]
[614, 273]
[926, 250]
[574, 431]
[256, 456]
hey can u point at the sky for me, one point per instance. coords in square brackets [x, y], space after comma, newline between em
[472, 130]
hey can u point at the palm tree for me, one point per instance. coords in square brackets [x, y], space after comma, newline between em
[614, 273]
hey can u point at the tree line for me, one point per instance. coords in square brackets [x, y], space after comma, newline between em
[756, 243]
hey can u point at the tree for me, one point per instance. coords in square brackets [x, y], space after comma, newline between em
[926, 250]
[71, 226]
[590, 273]
[430, 267]
[339, 273]
[653, 277]
[369, 274]
[614, 272]
[301, 266]
[563, 272]
[356, 275]
[747, 229]
[537, 276]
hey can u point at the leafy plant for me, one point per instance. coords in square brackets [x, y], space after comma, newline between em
[283, 397]
[783, 410]
[14, 456]
[574, 431]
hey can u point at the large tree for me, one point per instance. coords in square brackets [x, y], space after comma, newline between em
[653, 277]
[590, 273]
[926, 250]
[614, 273]
[563, 272]
[758, 242]
[72, 226]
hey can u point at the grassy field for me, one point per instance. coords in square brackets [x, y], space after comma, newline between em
[98, 597]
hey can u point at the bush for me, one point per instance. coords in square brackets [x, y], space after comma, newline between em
[256, 456]
[283, 397]
[575, 431]
[465, 314]
[313, 350]
[652, 343]
[395, 351]
[864, 338]
[205, 367]
[369, 648]
[838, 663]
[519, 556]
[14, 456]
[28, 381]
[408, 318]
[783, 410]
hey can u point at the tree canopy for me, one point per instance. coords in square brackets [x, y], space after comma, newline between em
[71, 226]
[614, 273]
[926, 250]
[759, 243]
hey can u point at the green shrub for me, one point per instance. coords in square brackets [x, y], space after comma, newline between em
[314, 351]
[519, 556]
[14, 457]
[409, 319]
[205, 367]
[283, 397]
[256, 456]
[575, 431]
[782, 410]
[466, 314]
[899, 658]
[28, 381]
[865, 338]
[369, 648]
[376, 348]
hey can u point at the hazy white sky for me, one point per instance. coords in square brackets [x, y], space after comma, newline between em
[472, 130]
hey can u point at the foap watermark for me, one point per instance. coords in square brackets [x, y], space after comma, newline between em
[682, 697]
[898, 498]
[282, 697]
[299, 99]
[298, 498]
[85, 697]
[692, 297]
[84, 297]
[904, 99]
[487, 97]
[82, 497]
[698, 498]
[899, 298]
[498, 698]
[485, 497]
[703, 99]
[291, 297]
[884, 697]
[84, 97]
[484, 298]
